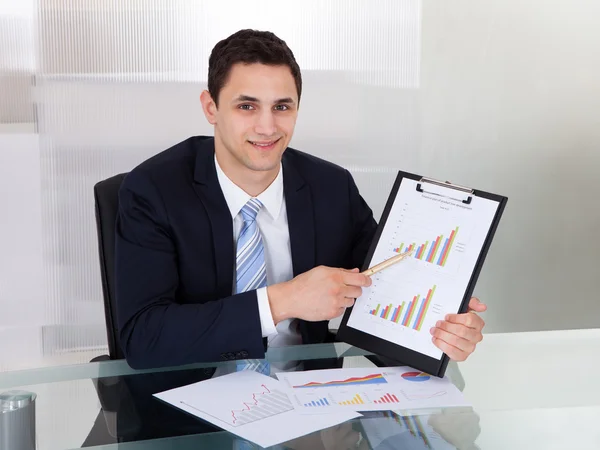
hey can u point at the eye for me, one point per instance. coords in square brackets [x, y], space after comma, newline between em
[246, 107]
[282, 107]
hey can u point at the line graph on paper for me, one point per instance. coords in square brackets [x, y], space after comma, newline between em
[263, 403]
[423, 395]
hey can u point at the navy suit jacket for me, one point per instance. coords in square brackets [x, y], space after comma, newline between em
[175, 253]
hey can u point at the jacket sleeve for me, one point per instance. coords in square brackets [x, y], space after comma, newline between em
[364, 225]
[154, 329]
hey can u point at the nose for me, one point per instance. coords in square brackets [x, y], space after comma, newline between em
[265, 125]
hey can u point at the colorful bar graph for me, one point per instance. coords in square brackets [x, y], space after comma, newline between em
[387, 398]
[452, 238]
[321, 402]
[444, 248]
[422, 250]
[434, 249]
[411, 311]
[384, 312]
[406, 314]
[397, 313]
[402, 249]
[387, 311]
[357, 400]
[424, 309]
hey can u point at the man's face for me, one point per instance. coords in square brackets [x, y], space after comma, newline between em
[255, 120]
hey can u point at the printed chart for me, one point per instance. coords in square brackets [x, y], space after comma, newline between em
[262, 404]
[416, 377]
[366, 390]
[407, 299]
[409, 315]
[250, 405]
[433, 252]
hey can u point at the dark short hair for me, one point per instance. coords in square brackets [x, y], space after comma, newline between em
[248, 47]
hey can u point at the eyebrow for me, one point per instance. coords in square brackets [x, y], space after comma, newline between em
[247, 98]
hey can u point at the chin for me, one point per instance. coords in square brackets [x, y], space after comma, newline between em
[263, 166]
[264, 161]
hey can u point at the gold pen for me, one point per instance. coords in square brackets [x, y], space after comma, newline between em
[387, 263]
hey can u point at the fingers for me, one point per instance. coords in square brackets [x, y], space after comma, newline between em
[340, 312]
[354, 278]
[476, 305]
[345, 302]
[460, 331]
[458, 335]
[351, 292]
[469, 320]
[454, 353]
[454, 340]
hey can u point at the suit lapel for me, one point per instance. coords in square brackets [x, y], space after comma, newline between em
[206, 185]
[301, 221]
[301, 224]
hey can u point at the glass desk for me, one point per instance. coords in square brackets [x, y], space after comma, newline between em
[528, 390]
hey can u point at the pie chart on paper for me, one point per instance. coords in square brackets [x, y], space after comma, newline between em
[416, 376]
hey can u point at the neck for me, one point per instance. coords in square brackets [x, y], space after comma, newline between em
[252, 182]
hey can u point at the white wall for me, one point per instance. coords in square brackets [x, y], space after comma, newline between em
[509, 98]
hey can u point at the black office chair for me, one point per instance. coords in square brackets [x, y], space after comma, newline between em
[119, 420]
[107, 205]
[112, 392]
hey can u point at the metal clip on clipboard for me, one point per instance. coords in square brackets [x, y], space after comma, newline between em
[445, 184]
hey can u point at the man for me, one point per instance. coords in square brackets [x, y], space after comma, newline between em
[224, 242]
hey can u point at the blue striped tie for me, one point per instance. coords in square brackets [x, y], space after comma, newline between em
[251, 271]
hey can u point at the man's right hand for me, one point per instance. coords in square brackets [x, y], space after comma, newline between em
[322, 293]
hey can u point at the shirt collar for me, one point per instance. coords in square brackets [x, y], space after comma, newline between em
[236, 197]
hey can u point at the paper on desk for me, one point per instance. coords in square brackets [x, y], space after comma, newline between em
[369, 389]
[250, 405]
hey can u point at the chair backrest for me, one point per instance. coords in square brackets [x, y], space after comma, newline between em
[107, 205]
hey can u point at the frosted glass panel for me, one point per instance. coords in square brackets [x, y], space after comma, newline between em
[115, 82]
[17, 60]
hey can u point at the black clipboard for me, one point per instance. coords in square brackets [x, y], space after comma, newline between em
[387, 352]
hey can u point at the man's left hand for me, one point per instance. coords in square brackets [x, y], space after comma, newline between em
[458, 335]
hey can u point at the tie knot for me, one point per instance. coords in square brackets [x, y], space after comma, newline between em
[250, 209]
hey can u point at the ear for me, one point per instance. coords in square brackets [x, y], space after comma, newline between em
[209, 107]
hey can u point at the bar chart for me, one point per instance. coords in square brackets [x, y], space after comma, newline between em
[387, 398]
[321, 402]
[398, 391]
[410, 315]
[433, 251]
[356, 400]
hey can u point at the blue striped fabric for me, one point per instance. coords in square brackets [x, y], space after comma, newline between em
[251, 271]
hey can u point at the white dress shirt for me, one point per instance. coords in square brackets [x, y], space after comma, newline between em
[273, 225]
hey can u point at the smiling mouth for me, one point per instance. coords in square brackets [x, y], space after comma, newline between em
[264, 145]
